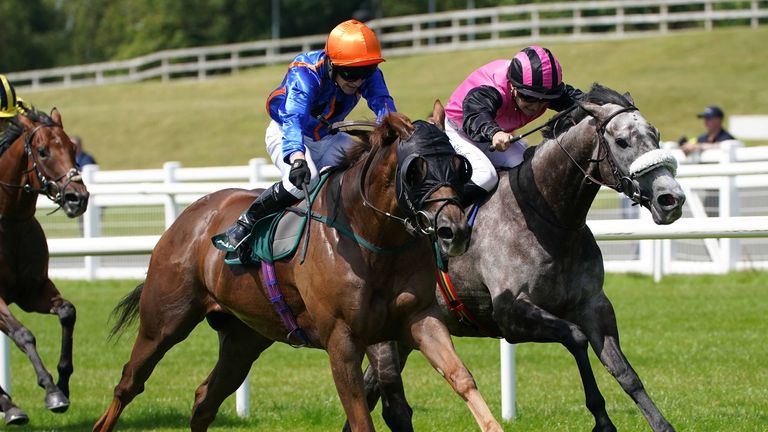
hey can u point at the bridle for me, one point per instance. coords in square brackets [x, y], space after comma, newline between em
[49, 187]
[419, 222]
[626, 183]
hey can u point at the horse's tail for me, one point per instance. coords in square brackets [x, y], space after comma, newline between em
[125, 312]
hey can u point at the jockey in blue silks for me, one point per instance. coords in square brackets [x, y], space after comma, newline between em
[320, 88]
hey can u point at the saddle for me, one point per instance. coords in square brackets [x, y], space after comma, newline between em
[276, 236]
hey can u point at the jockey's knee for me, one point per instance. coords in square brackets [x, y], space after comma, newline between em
[485, 177]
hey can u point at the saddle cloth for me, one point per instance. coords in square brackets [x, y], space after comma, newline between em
[275, 236]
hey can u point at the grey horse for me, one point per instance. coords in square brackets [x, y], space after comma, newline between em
[533, 271]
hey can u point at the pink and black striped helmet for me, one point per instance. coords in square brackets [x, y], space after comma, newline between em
[535, 72]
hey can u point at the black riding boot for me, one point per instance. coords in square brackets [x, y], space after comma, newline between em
[273, 199]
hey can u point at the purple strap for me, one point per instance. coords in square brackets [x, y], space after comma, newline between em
[282, 308]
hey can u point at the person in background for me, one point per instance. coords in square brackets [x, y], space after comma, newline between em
[82, 158]
[713, 122]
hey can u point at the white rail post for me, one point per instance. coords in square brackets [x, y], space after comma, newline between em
[171, 207]
[508, 381]
[729, 207]
[255, 166]
[243, 397]
[647, 256]
[5, 363]
[91, 223]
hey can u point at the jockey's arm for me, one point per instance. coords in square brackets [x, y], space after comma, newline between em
[479, 108]
[301, 86]
[567, 100]
[376, 94]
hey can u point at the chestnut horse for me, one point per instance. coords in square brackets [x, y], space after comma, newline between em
[36, 157]
[345, 296]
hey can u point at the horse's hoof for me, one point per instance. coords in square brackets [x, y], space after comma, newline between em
[16, 417]
[56, 402]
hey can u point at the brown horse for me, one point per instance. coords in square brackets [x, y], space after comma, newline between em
[36, 157]
[345, 296]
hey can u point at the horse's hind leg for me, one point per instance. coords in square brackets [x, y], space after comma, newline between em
[55, 400]
[239, 347]
[522, 321]
[163, 323]
[428, 334]
[600, 326]
[13, 414]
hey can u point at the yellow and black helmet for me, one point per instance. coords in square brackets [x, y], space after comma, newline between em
[7, 98]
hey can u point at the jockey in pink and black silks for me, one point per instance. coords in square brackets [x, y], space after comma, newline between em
[320, 88]
[494, 101]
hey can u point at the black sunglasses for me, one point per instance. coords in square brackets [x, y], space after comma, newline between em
[354, 73]
[531, 99]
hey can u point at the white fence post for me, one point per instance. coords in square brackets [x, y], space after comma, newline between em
[171, 207]
[728, 206]
[91, 223]
[255, 166]
[5, 363]
[508, 381]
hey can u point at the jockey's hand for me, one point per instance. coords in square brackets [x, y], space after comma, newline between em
[501, 141]
[300, 173]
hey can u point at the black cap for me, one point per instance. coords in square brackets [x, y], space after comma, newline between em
[711, 111]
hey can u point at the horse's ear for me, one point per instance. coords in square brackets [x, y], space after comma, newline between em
[438, 115]
[56, 116]
[599, 112]
[25, 121]
[398, 126]
[628, 97]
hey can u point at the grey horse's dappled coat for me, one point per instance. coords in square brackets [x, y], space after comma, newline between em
[533, 271]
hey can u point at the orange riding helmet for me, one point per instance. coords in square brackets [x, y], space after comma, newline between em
[352, 43]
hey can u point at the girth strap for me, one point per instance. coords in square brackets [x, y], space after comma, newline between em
[456, 306]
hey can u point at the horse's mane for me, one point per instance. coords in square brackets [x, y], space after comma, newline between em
[599, 95]
[16, 128]
[392, 126]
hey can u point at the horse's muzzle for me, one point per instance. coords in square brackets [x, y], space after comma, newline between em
[452, 232]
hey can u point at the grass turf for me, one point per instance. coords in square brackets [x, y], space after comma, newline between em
[698, 343]
[222, 121]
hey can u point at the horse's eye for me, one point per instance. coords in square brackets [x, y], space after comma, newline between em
[621, 142]
[43, 152]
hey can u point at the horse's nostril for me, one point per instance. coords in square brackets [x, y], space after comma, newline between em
[71, 198]
[667, 200]
[445, 233]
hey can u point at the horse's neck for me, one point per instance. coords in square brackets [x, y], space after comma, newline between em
[379, 189]
[560, 183]
[14, 202]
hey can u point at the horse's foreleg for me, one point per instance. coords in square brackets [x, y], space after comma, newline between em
[239, 347]
[382, 379]
[600, 326]
[522, 321]
[346, 357]
[55, 400]
[428, 334]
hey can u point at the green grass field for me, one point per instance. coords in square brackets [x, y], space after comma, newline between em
[698, 343]
[221, 121]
